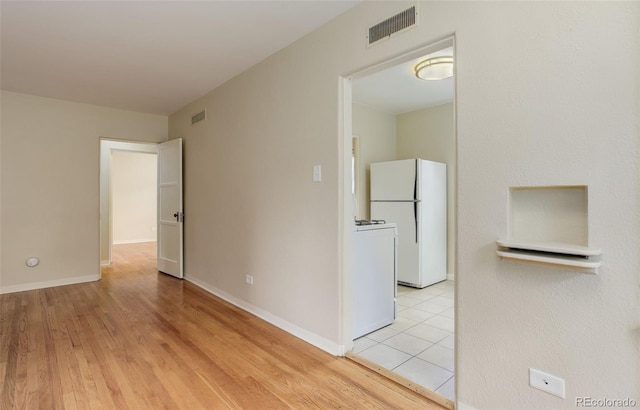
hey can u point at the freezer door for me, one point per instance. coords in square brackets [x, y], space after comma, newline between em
[432, 181]
[404, 215]
[393, 180]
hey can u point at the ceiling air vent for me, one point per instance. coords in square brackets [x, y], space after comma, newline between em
[198, 117]
[392, 25]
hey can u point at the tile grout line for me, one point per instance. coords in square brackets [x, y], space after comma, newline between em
[440, 315]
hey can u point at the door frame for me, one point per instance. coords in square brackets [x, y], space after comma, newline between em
[347, 215]
[107, 146]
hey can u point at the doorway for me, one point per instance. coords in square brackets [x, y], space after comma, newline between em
[125, 152]
[133, 197]
[393, 123]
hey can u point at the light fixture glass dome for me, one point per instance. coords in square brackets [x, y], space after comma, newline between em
[436, 68]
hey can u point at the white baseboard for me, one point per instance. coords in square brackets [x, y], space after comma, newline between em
[48, 284]
[451, 276]
[134, 241]
[309, 337]
[105, 263]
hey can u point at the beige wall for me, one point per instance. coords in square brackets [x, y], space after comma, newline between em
[50, 178]
[429, 134]
[377, 134]
[134, 196]
[534, 107]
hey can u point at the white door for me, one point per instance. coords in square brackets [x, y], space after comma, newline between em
[170, 215]
[393, 180]
[404, 214]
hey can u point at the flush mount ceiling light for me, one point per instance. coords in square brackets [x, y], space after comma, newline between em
[436, 68]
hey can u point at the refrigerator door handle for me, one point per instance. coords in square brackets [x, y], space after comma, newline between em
[415, 217]
[415, 198]
[415, 183]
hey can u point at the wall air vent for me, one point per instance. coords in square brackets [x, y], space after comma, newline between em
[393, 25]
[198, 117]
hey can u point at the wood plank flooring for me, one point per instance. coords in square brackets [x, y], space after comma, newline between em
[139, 339]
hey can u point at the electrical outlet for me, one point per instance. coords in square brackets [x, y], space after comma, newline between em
[249, 279]
[546, 382]
[33, 262]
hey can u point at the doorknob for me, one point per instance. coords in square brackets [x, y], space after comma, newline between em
[176, 216]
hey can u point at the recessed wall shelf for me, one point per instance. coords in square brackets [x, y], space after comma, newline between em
[549, 225]
[558, 248]
[576, 257]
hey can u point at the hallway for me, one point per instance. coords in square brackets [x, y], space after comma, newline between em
[142, 339]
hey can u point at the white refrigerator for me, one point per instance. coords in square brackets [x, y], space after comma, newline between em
[412, 194]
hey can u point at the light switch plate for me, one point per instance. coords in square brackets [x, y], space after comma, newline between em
[546, 382]
[317, 173]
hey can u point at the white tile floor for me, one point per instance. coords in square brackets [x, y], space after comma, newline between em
[419, 344]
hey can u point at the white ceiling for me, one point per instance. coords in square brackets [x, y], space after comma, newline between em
[397, 90]
[147, 56]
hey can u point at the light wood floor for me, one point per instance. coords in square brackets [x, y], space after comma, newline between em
[140, 339]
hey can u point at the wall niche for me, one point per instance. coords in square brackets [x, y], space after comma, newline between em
[550, 225]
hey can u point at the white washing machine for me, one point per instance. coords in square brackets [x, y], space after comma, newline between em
[374, 278]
